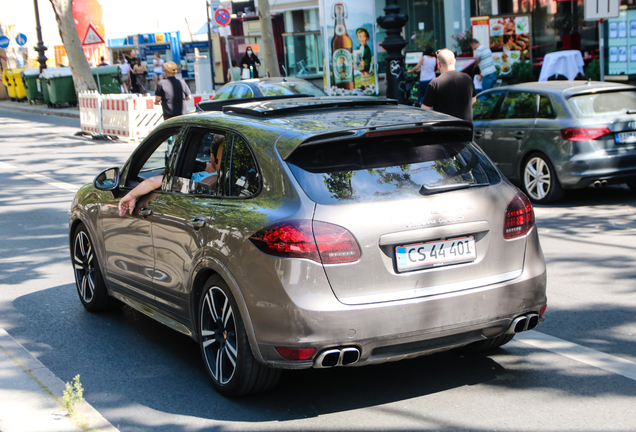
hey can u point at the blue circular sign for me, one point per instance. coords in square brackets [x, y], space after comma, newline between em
[222, 16]
[21, 39]
[4, 42]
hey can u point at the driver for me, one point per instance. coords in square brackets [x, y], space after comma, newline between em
[209, 177]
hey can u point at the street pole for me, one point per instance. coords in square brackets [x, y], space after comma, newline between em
[208, 7]
[601, 46]
[393, 43]
[40, 48]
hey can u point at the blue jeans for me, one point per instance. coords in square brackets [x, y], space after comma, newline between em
[423, 85]
[488, 81]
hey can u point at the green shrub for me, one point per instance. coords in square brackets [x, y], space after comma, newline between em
[522, 72]
[593, 71]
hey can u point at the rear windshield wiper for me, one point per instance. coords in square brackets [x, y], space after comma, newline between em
[427, 190]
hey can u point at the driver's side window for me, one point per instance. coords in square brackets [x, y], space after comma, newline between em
[153, 159]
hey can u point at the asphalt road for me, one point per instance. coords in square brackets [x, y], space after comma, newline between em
[577, 371]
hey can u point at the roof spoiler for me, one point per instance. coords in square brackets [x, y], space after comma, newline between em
[217, 105]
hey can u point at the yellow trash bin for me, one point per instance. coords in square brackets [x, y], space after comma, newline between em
[20, 91]
[7, 80]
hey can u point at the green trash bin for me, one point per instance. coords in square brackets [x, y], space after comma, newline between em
[32, 84]
[61, 88]
[108, 79]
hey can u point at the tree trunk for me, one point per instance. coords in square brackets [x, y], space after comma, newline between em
[82, 76]
[267, 34]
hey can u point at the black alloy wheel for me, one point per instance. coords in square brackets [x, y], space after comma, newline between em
[225, 347]
[88, 277]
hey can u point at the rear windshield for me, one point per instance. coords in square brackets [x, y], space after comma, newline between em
[384, 169]
[608, 103]
[290, 88]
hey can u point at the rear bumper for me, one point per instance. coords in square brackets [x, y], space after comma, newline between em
[401, 329]
[584, 170]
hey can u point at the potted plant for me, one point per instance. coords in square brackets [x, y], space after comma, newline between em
[422, 40]
[568, 24]
[462, 43]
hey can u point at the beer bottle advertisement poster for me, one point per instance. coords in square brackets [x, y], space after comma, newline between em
[348, 28]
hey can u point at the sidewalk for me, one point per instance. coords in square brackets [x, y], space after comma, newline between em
[32, 396]
[39, 109]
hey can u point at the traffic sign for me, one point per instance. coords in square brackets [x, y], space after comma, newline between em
[21, 39]
[92, 36]
[222, 17]
[4, 42]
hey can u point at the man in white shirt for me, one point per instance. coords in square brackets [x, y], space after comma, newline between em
[483, 59]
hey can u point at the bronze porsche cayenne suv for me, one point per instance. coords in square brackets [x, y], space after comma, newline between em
[338, 232]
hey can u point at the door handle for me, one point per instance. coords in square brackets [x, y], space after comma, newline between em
[519, 135]
[145, 212]
[197, 223]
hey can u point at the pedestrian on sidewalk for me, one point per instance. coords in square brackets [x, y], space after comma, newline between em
[157, 65]
[234, 73]
[139, 73]
[250, 61]
[172, 93]
[452, 92]
[125, 74]
[483, 59]
[426, 66]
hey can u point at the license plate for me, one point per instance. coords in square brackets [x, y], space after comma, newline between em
[435, 254]
[626, 137]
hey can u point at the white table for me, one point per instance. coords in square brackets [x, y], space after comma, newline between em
[567, 63]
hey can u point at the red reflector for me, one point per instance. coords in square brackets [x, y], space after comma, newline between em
[295, 353]
[324, 242]
[394, 132]
[583, 134]
[519, 217]
[542, 311]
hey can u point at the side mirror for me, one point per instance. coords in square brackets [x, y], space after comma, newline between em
[107, 180]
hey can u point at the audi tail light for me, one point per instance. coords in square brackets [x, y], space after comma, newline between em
[318, 241]
[519, 217]
[583, 134]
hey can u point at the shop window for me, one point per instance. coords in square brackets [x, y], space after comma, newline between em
[303, 54]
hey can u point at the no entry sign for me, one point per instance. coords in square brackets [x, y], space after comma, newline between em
[222, 16]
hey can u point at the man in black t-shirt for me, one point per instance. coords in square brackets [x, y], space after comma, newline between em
[452, 92]
[172, 93]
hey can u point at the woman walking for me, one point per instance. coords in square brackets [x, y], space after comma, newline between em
[250, 59]
[157, 69]
[426, 65]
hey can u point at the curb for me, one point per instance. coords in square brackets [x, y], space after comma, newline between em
[40, 109]
[32, 396]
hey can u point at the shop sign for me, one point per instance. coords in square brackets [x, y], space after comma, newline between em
[350, 47]
[507, 36]
[622, 43]
[601, 9]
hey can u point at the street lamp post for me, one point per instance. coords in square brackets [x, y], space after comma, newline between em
[40, 48]
[207, 11]
[393, 43]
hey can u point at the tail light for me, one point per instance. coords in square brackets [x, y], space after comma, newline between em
[519, 217]
[317, 241]
[583, 134]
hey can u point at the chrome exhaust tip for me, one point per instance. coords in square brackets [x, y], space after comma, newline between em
[533, 321]
[337, 357]
[518, 325]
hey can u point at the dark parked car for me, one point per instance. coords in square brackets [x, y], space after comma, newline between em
[556, 135]
[340, 232]
[267, 87]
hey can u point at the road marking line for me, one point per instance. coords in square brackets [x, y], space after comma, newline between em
[39, 177]
[579, 353]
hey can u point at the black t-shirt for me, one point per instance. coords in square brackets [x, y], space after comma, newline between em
[451, 93]
[173, 92]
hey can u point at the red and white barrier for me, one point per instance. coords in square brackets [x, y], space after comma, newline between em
[90, 104]
[131, 117]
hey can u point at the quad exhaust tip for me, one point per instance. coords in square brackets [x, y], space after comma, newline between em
[337, 357]
[523, 323]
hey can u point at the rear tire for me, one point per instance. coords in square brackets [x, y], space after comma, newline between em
[489, 344]
[90, 284]
[539, 180]
[225, 347]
